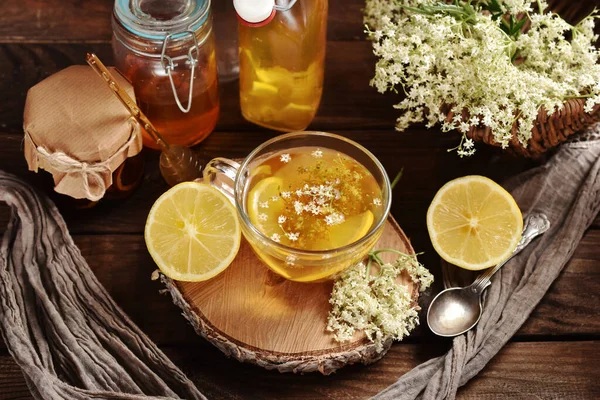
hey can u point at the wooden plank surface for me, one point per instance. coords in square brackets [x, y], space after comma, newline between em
[25, 64]
[540, 370]
[553, 356]
[123, 265]
[75, 21]
[44, 21]
[421, 153]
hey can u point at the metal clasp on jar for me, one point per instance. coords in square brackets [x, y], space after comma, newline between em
[169, 65]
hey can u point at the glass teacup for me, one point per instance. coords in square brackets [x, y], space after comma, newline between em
[320, 262]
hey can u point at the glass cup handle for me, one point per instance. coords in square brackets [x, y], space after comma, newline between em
[220, 173]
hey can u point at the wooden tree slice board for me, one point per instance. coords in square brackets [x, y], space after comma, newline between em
[256, 316]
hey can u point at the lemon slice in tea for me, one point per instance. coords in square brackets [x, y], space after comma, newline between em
[474, 223]
[264, 204]
[192, 232]
[349, 231]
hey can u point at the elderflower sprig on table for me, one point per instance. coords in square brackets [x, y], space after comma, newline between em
[470, 60]
[376, 303]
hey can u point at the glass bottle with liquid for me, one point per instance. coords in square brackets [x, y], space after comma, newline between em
[225, 26]
[166, 48]
[282, 60]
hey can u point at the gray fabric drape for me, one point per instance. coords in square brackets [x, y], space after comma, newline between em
[60, 325]
[567, 190]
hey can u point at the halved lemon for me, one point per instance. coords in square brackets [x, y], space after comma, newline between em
[192, 232]
[474, 223]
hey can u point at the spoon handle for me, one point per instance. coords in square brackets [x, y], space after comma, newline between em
[535, 225]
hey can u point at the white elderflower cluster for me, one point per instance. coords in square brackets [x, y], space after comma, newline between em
[317, 153]
[291, 260]
[376, 304]
[335, 218]
[462, 69]
[521, 6]
[316, 199]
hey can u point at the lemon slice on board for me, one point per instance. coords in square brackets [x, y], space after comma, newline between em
[192, 232]
[474, 223]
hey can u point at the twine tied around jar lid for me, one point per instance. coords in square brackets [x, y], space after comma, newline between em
[78, 131]
[80, 179]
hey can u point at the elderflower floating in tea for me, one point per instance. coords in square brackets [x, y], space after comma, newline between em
[313, 199]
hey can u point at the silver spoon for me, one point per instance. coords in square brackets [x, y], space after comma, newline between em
[456, 310]
[177, 163]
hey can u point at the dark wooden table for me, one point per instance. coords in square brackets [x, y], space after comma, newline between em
[555, 355]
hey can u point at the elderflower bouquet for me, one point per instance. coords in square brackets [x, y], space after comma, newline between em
[472, 64]
[371, 299]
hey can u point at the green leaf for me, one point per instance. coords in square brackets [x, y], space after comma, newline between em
[520, 24]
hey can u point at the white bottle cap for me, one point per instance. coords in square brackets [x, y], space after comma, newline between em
[254, 11]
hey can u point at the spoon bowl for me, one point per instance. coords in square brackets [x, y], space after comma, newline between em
[454, 311]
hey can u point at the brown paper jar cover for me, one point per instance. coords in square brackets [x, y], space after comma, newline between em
[76, 129]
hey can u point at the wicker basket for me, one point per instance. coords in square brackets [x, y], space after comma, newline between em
[550, 131]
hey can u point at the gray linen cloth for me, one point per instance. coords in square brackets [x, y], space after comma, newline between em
[567, 190]
[62, 328]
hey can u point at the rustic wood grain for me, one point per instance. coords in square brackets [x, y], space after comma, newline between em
[123, 266]
[410, 204]
[508, 376]
[12, 383]
[350, 66]
[540, 370]
[40, 37]
[422, 153]
[257, 316]
[85, 21]
[119, 260]
[51, 20]
[76, 21]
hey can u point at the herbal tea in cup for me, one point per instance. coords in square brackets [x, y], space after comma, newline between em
[311, 204]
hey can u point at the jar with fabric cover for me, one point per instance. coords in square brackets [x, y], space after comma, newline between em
[77, 130]
[167, 50]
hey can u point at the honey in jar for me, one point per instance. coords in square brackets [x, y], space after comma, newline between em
[167, 51]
